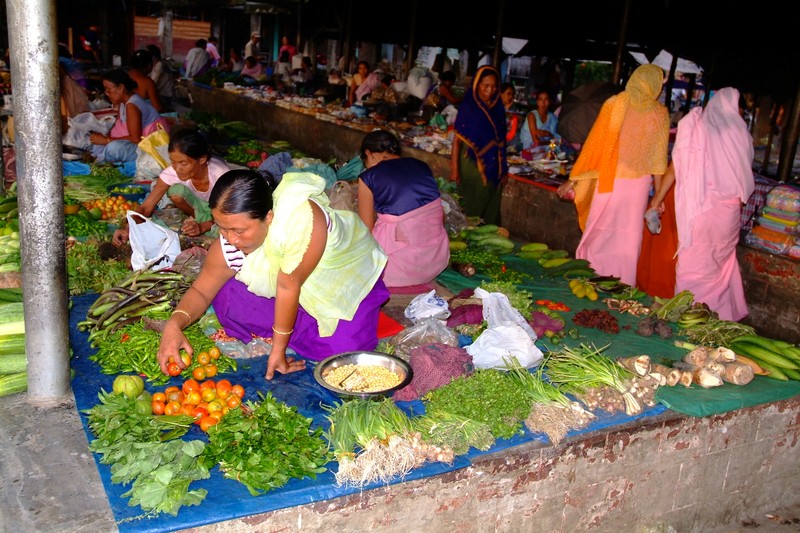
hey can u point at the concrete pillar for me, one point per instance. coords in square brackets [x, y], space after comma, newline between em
[34, 75]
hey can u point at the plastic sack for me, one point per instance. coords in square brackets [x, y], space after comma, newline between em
[153, 247]
[81, 126]
[426, 331]
[344, 195]
[155, 145]
[255, 348]
[427, 306]
[454, 218]
[498, 311]
[496, 346]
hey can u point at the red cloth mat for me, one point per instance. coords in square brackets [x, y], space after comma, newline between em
[388, 326]
[412, 289]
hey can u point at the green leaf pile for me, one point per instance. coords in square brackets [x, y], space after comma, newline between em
[263, 445]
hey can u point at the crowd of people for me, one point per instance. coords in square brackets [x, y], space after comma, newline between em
[663, 220]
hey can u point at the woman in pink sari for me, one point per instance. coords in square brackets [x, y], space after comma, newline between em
[399, 201]
[712, 161]
[625, 151]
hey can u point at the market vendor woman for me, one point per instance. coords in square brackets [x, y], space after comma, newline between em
[187, 182]
[286, 266]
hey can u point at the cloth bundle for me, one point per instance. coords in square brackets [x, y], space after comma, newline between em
[784, 198]
[769, 240]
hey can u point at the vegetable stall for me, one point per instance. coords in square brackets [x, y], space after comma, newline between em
[599, 379]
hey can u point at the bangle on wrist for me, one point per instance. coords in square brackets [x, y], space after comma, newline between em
[279, 332]
[181, 311]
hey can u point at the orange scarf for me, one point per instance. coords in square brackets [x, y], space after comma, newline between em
[599, 155]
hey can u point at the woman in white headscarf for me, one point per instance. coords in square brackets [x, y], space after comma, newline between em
[712, 162]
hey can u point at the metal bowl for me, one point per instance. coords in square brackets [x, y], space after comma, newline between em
[391, 362]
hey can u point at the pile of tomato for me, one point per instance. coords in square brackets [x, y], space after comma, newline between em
[113, 207]
[207, 401]
[204, 368]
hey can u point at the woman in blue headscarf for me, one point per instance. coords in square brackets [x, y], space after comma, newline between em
[478, 161]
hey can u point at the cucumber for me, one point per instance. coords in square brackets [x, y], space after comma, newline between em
[555, 254]
[555, 262]
[791, 374]
[774, 371]
[531, 254]
[578, 273]
[534, 246]
[569, 265]
[457, 245]
[763, 355]
[487, 228]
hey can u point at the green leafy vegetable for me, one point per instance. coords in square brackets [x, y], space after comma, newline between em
[266, 444]
[145, 450]
[487, 396]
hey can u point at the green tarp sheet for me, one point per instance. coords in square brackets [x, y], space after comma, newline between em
[692, 401]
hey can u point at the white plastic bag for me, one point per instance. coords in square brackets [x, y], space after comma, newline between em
[81, 126]
[427, 306]
[147, 167]
[154, 247]
[496, 346]
[497, 310]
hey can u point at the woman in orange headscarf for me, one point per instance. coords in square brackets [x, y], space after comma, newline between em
[625, 150]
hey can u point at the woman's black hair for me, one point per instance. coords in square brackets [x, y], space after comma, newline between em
[447, 75]
[120, 77]
[154, 50]
[243, 191]
[380, 141]
[142, 60]
[189, 142]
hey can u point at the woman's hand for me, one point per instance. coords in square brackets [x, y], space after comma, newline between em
[191, 228]
[99, 138]
[565, 189]
[120, 236]
[172, 340]
[285, 365]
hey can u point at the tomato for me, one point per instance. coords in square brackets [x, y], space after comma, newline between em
[144, 407]
[207, 421]
[233, 401]
[172, 408]
[186, 409]
[209, 394]
[208, 384]
[173, 369]
[199, 373]
[129, 385]
[215, 405]
[190, 385]
[157, 406]
[223, 388]
[238, 390]
[211, 370]
[159, 397]
[198, 413]
[175, 395]
[186, 358]
[193, 398]
[203, 358]
[214, 353]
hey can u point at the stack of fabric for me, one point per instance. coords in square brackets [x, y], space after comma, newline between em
[777, 227]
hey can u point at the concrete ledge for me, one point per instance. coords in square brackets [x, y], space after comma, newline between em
[666, 473]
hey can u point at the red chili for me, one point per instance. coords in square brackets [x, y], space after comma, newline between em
[124, 337]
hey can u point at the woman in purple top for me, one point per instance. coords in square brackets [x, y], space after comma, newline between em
[399, 201]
